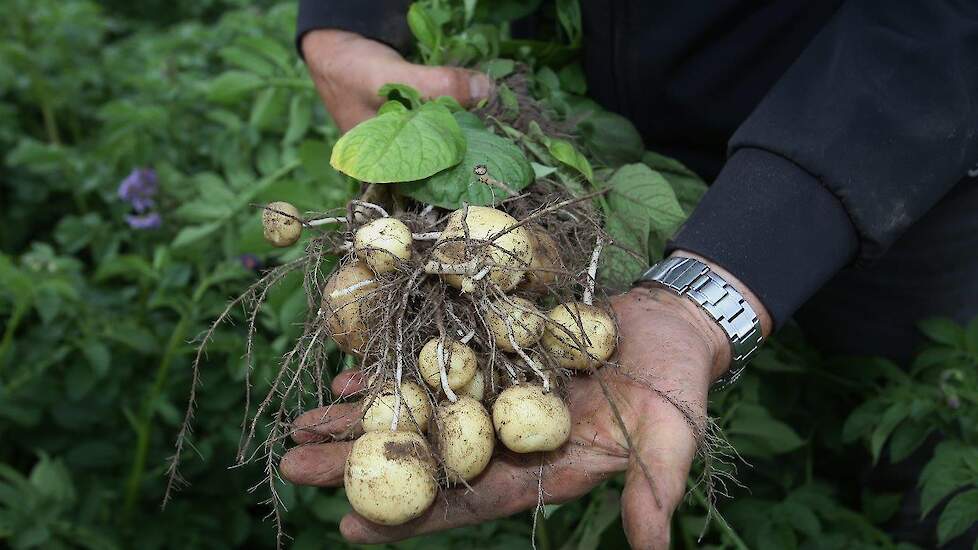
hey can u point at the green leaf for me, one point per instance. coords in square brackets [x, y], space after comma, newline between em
[232, 86]
[879, 507]
[51, 479]
[565, 152]
[908, 438]
[422, 26]
[300, 117]
[771, 434]
[945, 473]
[314, 157]
[468, 120]
[401, 93]
[943, 330]
[194, 233]
[499, 68]
[801, 517]
[405, 146]
[640, 202]
[612, 138]
[960, 514]
[888, 422]
[449, 188]
[391, 107]
[98, 356]
[542, 171]
[687, 185]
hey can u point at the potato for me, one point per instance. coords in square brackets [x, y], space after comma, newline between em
[346, 308]
[527, 322]
[546, 261]
[390, 477]
[510, 254]
[460, 363]
[281, 230]
[383, 242]
[528, 420]
[415, 409]
[465, 437]
[476, 388]
[599, 327]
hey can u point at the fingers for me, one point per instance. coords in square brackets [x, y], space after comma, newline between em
[467, 87]
[667, 449]
[510, 484]
[319, 465]
[319, 424]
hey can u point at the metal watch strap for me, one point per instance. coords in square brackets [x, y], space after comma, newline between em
[695, 280]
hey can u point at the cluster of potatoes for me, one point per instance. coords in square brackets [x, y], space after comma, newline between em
[391, 473]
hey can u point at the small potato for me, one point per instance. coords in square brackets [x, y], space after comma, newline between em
[509, 254]
[476, 388]
[415, 409]
[546, 262]
[383, 242]
[527, 322]
[346, 299]
[460, 363]
[528, 420]
[390, 477]
[578, 352]
[465, 437]
[281, 225]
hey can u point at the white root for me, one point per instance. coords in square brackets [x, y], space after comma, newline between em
[430, 236]
[519, 351]
[465, 339]
[340, 292]
[442, 371]
[481, 274]
[325, 221]
[375, 207]
[435, 267]
[592, 272]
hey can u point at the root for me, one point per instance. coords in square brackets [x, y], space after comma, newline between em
[592, 273]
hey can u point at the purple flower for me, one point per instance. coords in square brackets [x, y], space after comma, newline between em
[250, 262]
[146, 221]
[953, 402]
[139, 188]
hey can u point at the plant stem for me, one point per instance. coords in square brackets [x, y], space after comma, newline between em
[8, 334]
[725, 528]
[143, 429]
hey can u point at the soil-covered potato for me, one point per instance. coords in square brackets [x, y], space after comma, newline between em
[508, 254]
[465, 437]
[390, 477]
[383, 242]
[281, 225]
[460, 363]
[346, 298]
[528, 420]
[415, 409]
[573, 348]
[475, 388]
[523, 316]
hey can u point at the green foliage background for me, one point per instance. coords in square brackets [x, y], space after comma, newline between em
[96, 318]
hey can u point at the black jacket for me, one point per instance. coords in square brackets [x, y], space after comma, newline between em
[841, 124]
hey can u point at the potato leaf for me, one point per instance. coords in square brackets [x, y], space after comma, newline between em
[640, 204]
[566, 153]
[450, 188]
[400, 146]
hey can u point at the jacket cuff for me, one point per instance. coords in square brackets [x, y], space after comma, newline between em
[381, 20]
[774, 226]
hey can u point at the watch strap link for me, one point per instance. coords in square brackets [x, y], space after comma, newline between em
[721, 301]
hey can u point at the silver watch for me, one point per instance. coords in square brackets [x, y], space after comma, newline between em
[721, 301]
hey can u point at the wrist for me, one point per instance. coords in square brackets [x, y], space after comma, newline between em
[715, 342]
[325, 42]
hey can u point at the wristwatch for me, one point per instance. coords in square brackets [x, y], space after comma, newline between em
[721, 301]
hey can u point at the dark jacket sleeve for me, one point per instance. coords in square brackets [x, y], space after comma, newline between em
[381, 20]
[868, 129]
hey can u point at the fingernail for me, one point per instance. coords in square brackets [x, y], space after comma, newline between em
[479, 87]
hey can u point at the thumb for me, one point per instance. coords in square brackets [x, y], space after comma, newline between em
[654, 491]
[466, 86]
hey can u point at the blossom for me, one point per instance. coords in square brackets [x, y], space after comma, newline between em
[145, 221]
[139, 188]
[250, 262]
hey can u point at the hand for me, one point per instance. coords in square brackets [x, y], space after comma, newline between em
[349, 69]
[665, 342]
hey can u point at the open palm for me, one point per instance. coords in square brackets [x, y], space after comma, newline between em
[662, 346]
